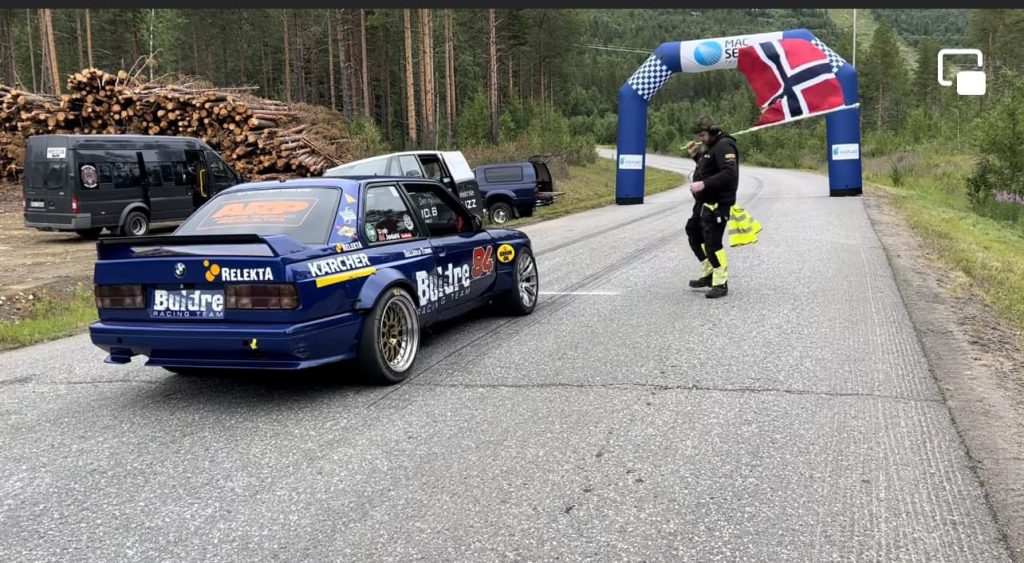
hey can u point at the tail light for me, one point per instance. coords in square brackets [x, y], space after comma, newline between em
[120, 297]
[262, 296]
[74, 206]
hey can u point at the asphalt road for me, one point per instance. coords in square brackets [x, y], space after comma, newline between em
[627, 418]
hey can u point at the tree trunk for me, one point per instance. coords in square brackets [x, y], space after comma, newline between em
[346, 76]
[492, 82]
[10, 72]
[879, 117]
[410, 90]
[241, 46]
[367, 106]
[195, 50]
[31, 50]
[88, 36]
[301, 63]
[430, 97]
[355, 68]
[287, 60]
[78, 36]
[44, 55]
[423, 79]
[330, 63]
[449, 73]
[55, 73]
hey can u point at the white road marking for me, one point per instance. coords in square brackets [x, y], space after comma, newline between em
[579, 292]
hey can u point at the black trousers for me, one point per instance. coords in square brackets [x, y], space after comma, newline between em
[705, 231]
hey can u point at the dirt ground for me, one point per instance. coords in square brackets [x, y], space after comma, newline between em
[36, 263]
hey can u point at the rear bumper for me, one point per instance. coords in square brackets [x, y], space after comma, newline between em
[205, 345]
[58, 222]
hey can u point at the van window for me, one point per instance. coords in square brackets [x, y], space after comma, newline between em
[220, 171]
[504, 174]
[120, 175]
[153, 173]
[106, 173]
[167, 174]
[56, 175]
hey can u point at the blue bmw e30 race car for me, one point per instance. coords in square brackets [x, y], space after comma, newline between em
[300, 273]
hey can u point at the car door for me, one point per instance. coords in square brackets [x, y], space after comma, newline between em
[465, 261]
[394, 237]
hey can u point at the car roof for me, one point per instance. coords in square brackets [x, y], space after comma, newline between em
[340, 182]
[75, 140]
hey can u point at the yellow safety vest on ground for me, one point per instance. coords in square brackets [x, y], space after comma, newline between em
[742, 227]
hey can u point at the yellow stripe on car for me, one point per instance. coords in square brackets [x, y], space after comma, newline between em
[345, 276]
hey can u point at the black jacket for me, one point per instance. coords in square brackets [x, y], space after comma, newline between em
[719, 169]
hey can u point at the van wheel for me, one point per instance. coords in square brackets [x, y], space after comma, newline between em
[499, 213]
[136, 224]
[89, 234]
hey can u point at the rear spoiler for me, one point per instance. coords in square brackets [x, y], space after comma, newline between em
[123, 247]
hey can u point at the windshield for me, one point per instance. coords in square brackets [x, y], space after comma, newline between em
[305, 214]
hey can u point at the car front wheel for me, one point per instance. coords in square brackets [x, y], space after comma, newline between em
[390, 339]
[522, 298]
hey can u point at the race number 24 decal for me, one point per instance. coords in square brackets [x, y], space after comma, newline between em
[483, 261]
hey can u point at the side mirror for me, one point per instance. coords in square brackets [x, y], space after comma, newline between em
[478, 224]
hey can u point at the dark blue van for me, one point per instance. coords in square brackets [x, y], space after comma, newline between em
[514, 189]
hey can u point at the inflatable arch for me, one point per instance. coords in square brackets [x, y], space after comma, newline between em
[842, 127]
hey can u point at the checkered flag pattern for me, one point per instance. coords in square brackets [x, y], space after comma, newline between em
[649, 77]
[833, 59]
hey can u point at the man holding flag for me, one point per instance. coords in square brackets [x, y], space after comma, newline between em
[714, 192]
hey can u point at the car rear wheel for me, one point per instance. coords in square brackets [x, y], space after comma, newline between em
[136, 224]
[499, 213]
[522, 298]
[89, 234]
[390, 339]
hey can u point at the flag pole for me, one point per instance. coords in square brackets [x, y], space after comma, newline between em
[752, 129]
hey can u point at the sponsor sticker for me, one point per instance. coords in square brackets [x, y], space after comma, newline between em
[413, 252]
[349, 198]
[483, 261]
[506, 253]
[443, 284]
[278, 212]
[348, 215]
[847, 151]
[188, 304]
[338, 264]
[371, 233]
[56, 152]
[346, 231]
[348, 246]
[90, 178]
[229, 274]
[631, 162]
[407, 222]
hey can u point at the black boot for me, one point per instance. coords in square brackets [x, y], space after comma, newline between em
[718, 291]
[701, 282]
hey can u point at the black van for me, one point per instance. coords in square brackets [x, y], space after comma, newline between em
[84, 183]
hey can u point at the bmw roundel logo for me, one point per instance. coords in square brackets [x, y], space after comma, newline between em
[179, 270]
[708, 53]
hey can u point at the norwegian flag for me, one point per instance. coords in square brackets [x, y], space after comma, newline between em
[791, 79]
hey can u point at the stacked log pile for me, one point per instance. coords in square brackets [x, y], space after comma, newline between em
[259, 137]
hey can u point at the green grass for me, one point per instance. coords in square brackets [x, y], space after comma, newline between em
[593, 185]
[988, 251]
[53, 316]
